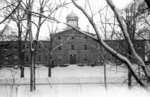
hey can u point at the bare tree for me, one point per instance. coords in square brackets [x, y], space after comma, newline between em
[18, 17]
[148, 3]
[30, 14]
[123, 27]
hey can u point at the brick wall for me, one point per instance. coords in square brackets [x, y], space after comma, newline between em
[68, 47]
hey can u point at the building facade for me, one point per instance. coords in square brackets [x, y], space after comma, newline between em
[68, 47]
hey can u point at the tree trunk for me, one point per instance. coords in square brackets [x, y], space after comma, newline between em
[29, 30]
[20, 52]
[129, 79]
[51, 63]
[22, 71]
[106, 46]
[105, 76]
[49, 71]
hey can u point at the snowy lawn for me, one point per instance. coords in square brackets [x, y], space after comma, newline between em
[70, 74]
[71, 81]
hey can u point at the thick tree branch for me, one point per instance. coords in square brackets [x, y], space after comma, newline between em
[11, 12]
[108, 48]
[148, 3]
[123, 27]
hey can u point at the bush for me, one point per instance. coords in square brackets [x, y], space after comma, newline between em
[63, 65]
[81, 65]
[93, 65]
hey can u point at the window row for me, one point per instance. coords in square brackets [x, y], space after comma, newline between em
[73, 57]
[27, 46]
[39, 58]
[72, 37]
[72, 47]
[16, 46]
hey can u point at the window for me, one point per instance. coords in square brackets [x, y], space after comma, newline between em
[26, 58]
[39, 46]
[85, 58]
[59, 37]
[1, 45]
[6, 45]
[59, 48]
[15, 47]
[27, 46]
[86, 37]
[23, 46]
[39, 58]
[45, 58]
[72, 47]
[85, 47]
[72, 37]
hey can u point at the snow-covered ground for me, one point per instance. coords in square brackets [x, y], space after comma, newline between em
[70, 74]
[71, 81]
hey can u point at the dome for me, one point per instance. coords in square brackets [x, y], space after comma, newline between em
[72, 15]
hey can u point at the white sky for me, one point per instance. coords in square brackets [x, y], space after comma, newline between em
[83, 23]
[95, 6]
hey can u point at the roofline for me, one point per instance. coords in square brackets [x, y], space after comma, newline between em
[95, 37]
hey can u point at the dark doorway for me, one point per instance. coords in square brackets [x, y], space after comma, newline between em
[72, 59]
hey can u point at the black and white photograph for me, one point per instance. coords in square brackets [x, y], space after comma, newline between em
[74, 48]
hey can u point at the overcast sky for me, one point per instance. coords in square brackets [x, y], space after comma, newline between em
[61, 14]
[96, 5]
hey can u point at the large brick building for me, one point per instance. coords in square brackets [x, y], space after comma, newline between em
[69, 47]
[79, 47]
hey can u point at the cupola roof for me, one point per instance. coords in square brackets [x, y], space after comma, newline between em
[72, 15]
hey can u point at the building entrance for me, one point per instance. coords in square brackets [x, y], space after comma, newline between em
[73, 59]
